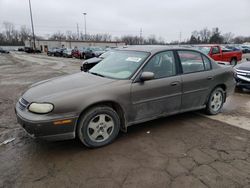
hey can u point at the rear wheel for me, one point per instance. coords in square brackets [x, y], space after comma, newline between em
[216, 101]
[98, 127]
[233, 62]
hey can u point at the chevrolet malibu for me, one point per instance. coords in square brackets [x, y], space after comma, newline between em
[133, 85]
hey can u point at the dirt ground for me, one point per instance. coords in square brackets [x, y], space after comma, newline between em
[186, 150]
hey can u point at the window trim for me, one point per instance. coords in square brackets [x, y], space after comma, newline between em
[201, 54]
[140, 70]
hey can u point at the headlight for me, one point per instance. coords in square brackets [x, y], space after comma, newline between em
[41, 108]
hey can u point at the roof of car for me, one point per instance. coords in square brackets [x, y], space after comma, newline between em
[207, 45]
[153, 48]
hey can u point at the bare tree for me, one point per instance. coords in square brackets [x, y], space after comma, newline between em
[57, 36]
[71, 36]
[228, 37]
[24, 33]
[205, 35]
[8, 30]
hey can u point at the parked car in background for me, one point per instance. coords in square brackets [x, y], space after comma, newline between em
[51, 51]
[31, 50]
[130, 86]
[79, 52]
[59, 52]
[20, 49]
[89, 63]
[216, 53]
[245, 49]
[233, 48]
[242, 75]
[4, 51]
[93, 52]
[67, 52]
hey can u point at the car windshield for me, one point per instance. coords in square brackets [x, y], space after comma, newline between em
[106, 54]
[204, 49]
[97, 49]
[120, 64]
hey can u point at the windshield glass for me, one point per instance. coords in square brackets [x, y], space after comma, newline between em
[203, 49]
[97, 49]
[120, 64]
[106, 54]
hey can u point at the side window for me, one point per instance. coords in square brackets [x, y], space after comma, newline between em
[207, 62]
[162, 65]
[215, 50]
[191, 61]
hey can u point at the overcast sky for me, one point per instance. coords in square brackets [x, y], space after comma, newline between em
[119, 17]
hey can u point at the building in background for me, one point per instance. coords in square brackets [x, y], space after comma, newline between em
[44, 45]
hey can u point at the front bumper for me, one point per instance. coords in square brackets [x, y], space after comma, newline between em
[242, 83]
[242, 78]
[38, 127]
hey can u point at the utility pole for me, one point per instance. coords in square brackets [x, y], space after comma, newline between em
[77, 29]
[141, 36]
[180, 38]
[85, 25]
[32, 25]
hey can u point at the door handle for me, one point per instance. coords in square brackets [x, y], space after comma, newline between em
[174, 83]
[210, 78]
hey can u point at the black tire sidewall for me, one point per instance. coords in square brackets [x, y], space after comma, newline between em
[85, 119]
[211, 111]
[233, 62]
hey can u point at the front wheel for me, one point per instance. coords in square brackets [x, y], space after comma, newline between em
[98, 127]
[215, 101]
[233, 62]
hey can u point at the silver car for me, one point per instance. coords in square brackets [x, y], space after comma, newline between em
[131, 86]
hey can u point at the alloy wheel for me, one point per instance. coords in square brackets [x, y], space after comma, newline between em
[100, 128]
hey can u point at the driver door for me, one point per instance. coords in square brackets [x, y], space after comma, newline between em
[161, 95]
[216, 53]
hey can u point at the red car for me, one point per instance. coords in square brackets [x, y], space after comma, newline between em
[79, 53]
[219, 53]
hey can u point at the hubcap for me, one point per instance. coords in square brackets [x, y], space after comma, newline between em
[216, 101]
[100, 128]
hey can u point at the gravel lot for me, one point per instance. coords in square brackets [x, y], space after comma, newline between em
[186, 150]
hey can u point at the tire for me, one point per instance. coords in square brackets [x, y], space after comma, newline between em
[233, 62]
[215, 101]
[98, 127]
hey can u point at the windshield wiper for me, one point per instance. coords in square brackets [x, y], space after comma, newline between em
[97, 74]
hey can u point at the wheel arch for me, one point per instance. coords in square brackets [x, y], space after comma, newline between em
[222, 86]
[115, 106]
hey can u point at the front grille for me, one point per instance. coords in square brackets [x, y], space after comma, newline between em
[243, 73]
[23, 103]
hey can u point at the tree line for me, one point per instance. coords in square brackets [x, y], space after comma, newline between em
[206, 36]
[12, 36]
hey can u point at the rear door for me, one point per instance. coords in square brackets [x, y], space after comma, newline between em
[159, 96]
[197, 79]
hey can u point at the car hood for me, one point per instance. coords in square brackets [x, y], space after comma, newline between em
[45, 90]
[244, 66]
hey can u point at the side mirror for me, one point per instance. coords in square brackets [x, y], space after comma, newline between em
[147, 76]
